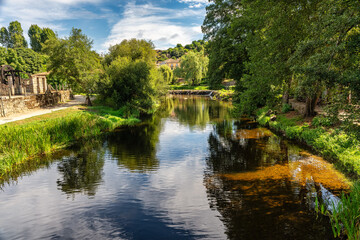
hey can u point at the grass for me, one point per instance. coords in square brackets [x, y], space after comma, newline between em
[42, 134]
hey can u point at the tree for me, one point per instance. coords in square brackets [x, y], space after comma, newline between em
[39, 36]
[167, 73]
[134, 49]
[13, 36]
[73, 62]
[194, 67]
[227, 54]
[133, 81]
[35, 37]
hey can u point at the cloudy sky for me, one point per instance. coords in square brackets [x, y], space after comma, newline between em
[107, 22]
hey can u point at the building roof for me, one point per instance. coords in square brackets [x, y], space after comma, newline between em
[172, 61]
[41, 74]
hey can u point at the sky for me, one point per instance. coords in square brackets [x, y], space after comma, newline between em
[107, 22]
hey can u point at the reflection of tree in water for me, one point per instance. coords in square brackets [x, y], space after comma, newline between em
[82, 172]
[135, 147]
[258, 209]
[195, 111]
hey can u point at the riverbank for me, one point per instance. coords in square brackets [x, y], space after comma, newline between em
[332, 143]
[25, 139]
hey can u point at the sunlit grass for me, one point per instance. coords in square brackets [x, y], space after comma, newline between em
[42, 134]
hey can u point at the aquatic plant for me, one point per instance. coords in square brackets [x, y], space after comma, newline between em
[344, 216]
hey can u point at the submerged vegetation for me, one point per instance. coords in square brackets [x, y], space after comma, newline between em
[29, 139]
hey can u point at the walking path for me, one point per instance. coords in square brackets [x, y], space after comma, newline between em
[78, 100]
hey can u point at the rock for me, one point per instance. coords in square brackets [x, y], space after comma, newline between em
[269, 112]
[273, 118]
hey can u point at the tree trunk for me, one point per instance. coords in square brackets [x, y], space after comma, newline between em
[310, 106]
[88, 100]
[286, 95]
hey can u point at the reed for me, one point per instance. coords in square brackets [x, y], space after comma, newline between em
[20, 143]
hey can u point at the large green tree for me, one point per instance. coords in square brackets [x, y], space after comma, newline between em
[12, 37]
[133, 80]
[73, 61]
[38, 36]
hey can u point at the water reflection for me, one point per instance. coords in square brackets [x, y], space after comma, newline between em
[263, 186]
[187, 172]
[196, 112]
[83, 170]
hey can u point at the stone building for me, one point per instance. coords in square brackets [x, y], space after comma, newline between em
[172, 63]
[38, 83]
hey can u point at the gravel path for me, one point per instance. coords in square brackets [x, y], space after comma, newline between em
[78, 100]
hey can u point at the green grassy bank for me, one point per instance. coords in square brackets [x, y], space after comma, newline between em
[25, 139]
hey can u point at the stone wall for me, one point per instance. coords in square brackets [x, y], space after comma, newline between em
[20, 104]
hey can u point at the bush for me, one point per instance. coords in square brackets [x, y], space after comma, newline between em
[286, 108]
[321, 121]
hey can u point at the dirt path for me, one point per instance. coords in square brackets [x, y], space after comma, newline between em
[78, 100]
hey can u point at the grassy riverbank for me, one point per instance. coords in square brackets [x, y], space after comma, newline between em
[332, 143]
[25, 139]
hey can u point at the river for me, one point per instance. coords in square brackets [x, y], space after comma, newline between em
[189, 172]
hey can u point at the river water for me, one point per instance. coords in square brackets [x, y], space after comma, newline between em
[190, 172]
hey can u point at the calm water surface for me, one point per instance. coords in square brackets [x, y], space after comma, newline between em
[190, 172]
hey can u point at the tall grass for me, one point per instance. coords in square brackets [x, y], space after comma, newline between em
[21, 142]
[345, 217]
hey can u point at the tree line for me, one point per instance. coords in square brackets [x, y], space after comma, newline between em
[276, 49]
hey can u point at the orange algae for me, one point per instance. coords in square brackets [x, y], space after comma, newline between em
[253, 133]
[310, 168]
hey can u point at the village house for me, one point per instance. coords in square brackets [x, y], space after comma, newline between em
[172, 63]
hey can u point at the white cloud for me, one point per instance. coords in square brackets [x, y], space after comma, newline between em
[195, 3]
[44, 13]
[164, 27]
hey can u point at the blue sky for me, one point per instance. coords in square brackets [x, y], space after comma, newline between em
[107, 22]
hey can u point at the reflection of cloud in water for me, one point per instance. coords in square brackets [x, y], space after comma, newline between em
[178, 190]
[309, 168]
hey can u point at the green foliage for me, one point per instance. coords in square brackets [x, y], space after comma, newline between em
[132, 79]
[73, 62]
[344, 217]
[27, 140]
[227, 54]
[179, 50]
[133, 49]
[321, 121]
[194, 67]
[276, 48]
[39, 36]
[23, 59]
[286, 108]
[167, 73]
[12, 37]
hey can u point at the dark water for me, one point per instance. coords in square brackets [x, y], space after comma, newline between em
[190, 172]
